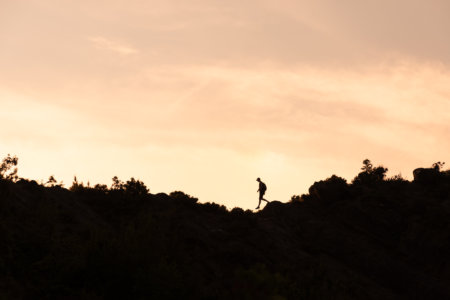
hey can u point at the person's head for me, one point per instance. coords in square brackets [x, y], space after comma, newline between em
[258, 179]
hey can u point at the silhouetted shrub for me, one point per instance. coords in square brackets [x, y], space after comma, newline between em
[131, 187]
[8, 168]
[135, 187]
[397, 178]
[214, 207]
[296, 198]
[332, 189]
[237, 211]
[76, 186]
[117, 184]
[52, 182]
[181, 196]
[370, 175]
[438, 165]
[101, 188]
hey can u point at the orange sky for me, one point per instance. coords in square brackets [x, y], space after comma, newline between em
[205, 96]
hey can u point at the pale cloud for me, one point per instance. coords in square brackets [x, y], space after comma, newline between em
[107, 44]
[274, 108]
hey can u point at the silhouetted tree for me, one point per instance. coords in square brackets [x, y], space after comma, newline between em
[135, 187]
[370, 175]
[101, 187]
[52, 182]
[76, 186]
[367, 166]
[8, 168]
[117, 184]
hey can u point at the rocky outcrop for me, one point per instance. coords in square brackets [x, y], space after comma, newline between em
[427, 175]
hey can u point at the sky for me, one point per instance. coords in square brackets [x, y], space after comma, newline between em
[204, 96]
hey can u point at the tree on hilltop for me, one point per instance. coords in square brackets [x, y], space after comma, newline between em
[370, 174]
[8, 168]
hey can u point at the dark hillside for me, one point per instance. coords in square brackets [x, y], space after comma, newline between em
[371, 239]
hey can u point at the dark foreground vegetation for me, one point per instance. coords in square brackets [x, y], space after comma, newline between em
[374, 238]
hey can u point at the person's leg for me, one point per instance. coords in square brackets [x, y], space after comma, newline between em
[260, 198]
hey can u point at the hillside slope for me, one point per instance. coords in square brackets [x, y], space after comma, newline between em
[372, 239]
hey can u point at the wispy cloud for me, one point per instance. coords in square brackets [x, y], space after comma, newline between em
[100, 42]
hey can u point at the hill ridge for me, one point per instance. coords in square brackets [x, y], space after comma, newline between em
[374, 238]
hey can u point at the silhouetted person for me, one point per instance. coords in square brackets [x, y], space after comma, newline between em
[262, 190]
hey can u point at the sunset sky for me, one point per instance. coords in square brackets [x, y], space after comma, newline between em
[204, 96]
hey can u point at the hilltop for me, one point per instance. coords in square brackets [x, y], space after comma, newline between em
[373, 238]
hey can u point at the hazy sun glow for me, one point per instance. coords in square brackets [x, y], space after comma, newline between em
[205, 96]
